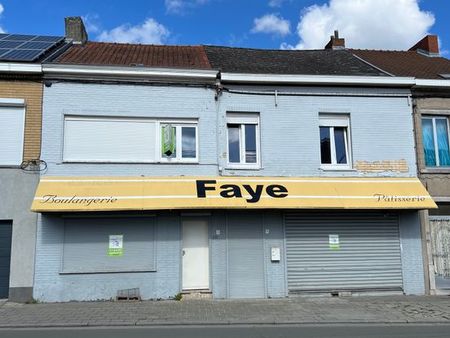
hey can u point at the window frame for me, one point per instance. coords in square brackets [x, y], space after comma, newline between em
[435, 141]
[242, 119]
[332, 121]
[178, 124]
[158, 158]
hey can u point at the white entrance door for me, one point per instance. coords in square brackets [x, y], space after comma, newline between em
[195, 255]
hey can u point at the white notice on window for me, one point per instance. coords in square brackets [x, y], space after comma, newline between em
[115, 247]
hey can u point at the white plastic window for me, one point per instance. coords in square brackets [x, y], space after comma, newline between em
[334, 142]
[185, 142]
[243, 140]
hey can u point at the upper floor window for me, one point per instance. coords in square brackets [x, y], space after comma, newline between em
[243, 140]
[334, 141]
[117, 139]
[435, 138]
[12, 122]
[179, 142]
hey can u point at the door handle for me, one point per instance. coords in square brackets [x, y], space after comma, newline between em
[184, 252]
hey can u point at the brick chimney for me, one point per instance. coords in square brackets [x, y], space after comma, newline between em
[429, 45]
[75, 30]
[335, 42]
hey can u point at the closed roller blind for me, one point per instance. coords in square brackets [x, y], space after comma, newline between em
[368, 256]
[86, 243]
[12, 120]
[109, 139]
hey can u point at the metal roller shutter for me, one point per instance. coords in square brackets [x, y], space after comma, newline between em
[245, 256]
[368, 257]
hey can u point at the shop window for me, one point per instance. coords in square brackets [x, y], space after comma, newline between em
[12, 120]
[243, 140]
[334, 141]
[179, 142]
[99, 245]
[435, 139]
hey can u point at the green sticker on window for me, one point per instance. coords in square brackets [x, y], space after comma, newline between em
[168, 140]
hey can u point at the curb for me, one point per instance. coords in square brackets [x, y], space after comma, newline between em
[228, 323]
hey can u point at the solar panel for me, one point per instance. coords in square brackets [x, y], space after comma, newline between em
[20, 47]
[36, 45]
[49, 38]
[10, 44]
[3, 51]
[18, 37]
[22, 54]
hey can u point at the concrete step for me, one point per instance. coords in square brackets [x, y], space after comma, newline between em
[196, 294]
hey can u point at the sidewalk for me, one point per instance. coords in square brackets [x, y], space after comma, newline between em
[296, 310]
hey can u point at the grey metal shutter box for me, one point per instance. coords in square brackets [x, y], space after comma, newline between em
[5, 257]
[369, 256]
[245, 256]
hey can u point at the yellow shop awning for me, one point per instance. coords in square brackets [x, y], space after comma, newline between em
[159, 193]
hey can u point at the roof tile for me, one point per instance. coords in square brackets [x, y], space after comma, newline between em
[406, 63]
[116, 54]
[298, 62]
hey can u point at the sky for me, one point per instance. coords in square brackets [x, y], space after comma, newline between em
[272, 24]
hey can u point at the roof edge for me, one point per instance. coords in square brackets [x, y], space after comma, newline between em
[22, 68]
[318, 79]
[426, 83]
[121, 72]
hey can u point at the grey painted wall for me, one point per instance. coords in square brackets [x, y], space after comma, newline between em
[51, 286]
[381, 127]
[129, 101]
[17, 190]
[165, 282]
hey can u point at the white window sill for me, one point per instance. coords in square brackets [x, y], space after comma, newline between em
[242, 167]
[13, 166]
[190, 161]
[127, 162]
[435, 170]
[336, 168]
[74, 272]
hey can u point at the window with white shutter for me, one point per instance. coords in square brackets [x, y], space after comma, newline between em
[12, 122]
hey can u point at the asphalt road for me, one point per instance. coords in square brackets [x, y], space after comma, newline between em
[297, 331]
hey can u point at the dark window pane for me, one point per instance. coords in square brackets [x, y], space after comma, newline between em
[188, 146]
[339, 142]
[234, 155]
[442, 141]
[325, 152]
[428, 142]
[250, 143]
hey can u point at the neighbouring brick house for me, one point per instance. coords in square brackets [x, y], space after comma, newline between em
[21, 94]
[431, 103]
